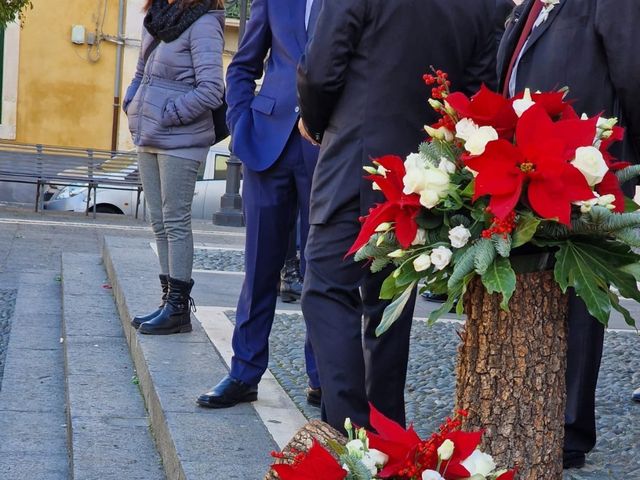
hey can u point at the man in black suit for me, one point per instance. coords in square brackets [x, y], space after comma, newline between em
[362, 96]
[603, 77]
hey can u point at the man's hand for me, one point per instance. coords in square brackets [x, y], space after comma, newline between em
[305, 133]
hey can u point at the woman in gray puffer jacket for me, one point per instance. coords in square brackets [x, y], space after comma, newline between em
[178, 82]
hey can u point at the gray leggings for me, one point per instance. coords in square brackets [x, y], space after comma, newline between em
[169, 183]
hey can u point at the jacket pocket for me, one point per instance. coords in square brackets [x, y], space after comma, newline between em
[263, 104]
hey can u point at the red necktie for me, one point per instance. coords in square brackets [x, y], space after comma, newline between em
[526, 31]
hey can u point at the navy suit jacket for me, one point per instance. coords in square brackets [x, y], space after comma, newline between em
[261, 124]
[590, 46]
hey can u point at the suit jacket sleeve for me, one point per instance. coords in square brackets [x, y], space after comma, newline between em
[247, 65]
[617, 22]
[482, 70]
[322, 69]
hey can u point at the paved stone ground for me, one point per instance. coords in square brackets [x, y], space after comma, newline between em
[431, 383]
[220, 260]
[7, 305]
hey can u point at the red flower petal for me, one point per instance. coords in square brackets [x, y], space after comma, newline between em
[318, 464]
[391, 439]
[406, 226]
[510, 475]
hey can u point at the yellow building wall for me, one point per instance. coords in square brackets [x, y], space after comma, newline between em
[63, 98]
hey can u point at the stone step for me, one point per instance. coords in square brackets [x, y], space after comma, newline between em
[109, 434]
[33, 433]
[194, 443]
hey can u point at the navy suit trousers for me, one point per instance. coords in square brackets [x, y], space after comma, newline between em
[271, 199]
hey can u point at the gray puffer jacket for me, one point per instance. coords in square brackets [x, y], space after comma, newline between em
[170, 99]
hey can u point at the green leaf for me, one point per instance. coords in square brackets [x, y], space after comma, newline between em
[502, 244]
[633, 269]
[469, 189]
[485, 254]
[389, 288]
[525, 230]
[336, 447]
[463, 266]
[615, 303]
[573, 268]
[394, 309]
[628, 236]
[500, 278]
[630, 205]
[452, 296]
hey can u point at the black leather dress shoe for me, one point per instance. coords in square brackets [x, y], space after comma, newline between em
[227, 393]
[636, 395]
[572, 460]
[314, 396]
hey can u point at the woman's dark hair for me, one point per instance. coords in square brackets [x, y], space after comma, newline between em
[215, 4]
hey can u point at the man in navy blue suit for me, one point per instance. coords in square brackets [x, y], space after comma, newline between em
[278, 166]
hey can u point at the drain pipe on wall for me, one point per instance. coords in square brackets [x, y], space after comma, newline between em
[117, 84]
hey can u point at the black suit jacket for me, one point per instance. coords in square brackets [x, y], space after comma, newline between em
[360, 83]
[590, 46]
[503, 10]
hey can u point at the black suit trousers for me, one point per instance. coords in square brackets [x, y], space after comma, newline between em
[354, 365]
[584, 352]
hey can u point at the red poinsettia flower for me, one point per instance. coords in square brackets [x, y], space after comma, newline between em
[393, 440]
[540, 159]
[552, 102]
[610, 183]
[464, 445]
[317, 464]
[486, 108]
[400, 208]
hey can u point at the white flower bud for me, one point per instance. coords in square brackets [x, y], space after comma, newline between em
[422, 262]
[445, 450]
[397, 253]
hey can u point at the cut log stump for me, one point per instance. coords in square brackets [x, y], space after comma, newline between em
[511, 374]
[302, 441]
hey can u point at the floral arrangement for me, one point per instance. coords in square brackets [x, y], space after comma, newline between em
[504, 185]
[396, 453]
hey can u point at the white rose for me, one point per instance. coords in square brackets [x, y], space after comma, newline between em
[459, 236]
[421, 237]
[414, 160]
[523, 104]
[447, 166]
[380, 458]
[431, 475]
[465, 128]
[429, 198]
[427, 181]
[478, 140]
[479, 463]
[355, 448]
[422, 262]
[591, 164]
[446, 450]
[475, 137]
[370, 464]
[440, 257]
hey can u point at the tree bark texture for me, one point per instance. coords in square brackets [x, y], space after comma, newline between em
[511, 374]
[302, 441]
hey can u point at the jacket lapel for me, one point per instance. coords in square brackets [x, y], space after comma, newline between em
[297, 10]
[539, 31]
[511, 36]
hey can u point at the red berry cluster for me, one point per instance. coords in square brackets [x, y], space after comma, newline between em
[425, 455]
[447, 122]
[501, 227]
[440, 78]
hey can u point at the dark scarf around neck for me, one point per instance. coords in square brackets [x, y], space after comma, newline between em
[166, 21]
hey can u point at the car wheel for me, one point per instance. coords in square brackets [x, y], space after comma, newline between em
[107, 209]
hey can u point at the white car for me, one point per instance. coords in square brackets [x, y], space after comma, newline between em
[210, 186]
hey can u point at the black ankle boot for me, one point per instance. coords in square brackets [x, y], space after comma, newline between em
[175, 317]
[140, 319]
[290, 281]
